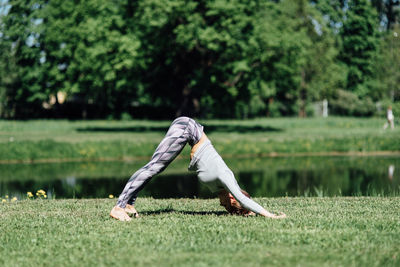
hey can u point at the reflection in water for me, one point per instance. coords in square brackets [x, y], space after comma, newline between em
[261, 177]
[391, 171]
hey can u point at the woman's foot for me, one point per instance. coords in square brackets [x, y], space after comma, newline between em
[120, 214]
[130, 209]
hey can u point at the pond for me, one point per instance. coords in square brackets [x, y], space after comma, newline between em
[261, 177]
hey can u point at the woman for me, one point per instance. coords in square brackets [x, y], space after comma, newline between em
[389, 118]
[208, 164]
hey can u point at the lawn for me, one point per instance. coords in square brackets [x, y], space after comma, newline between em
[319, 231]
[52, 140]
[338, 231]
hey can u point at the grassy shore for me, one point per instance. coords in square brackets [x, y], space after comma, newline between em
[335, 231]
[49, 140]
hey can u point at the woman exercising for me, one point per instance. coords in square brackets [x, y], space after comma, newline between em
[210, 168]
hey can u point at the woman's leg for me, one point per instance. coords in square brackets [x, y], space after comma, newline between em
[181, 131]
[386, 125]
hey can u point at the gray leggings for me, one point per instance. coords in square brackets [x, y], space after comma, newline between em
[182, 130]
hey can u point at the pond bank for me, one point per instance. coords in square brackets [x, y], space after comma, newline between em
[58, 141]
[242, 156]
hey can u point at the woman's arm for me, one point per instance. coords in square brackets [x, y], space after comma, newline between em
[232, 186]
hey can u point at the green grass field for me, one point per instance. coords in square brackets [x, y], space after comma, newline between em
[319, 231]
[50, 140]
[185, 232]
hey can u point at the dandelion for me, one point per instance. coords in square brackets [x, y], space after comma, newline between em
[14, 199]
[41, 192]
[29, 194]
[110, 196]
[6, 196]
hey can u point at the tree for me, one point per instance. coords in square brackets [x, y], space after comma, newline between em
[388, 66]
[389, 12]
[208, 58]
[97, 55]
[8, 75]
[320, 74]
[360, 42]
[21, 75]
[82, 48]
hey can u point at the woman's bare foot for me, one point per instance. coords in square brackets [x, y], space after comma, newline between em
[130, 209]
[120, 214]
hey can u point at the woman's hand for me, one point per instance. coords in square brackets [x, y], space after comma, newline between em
[267, 214]
[250, 213]
[280, 216]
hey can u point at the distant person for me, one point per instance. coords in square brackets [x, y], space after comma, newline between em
[389, 118]
[210, 168]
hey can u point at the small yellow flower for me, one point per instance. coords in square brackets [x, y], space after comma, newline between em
[14, 199]
[6, 196]
[41, 192]
[45, 196]
[3, 200]
[110, 196]
[29, 194]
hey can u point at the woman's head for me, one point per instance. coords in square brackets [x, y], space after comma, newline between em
[231, 205]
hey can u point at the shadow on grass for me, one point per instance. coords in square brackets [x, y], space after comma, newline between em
[164, 211]
[207, 129]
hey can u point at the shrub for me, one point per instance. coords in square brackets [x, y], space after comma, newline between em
[349, 104]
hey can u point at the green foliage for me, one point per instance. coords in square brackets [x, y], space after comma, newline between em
[387, 66]
[92, 55]
[389, 12]
[383, 105]
[21, 71]
[349, 104]
[360, 43]
[156, 58]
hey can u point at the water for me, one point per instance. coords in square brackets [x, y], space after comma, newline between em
[261, 177]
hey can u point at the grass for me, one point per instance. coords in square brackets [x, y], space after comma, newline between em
[319, 231]
[339, 231]
[50, 140]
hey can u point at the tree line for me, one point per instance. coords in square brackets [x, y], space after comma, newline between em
[203, 58]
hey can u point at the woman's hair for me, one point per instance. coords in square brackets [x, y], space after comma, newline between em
[231, 204]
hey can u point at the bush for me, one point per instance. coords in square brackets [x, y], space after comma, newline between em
[349, 104]
[383, 105]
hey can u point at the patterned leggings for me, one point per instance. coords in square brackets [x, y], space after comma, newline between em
[182, 130]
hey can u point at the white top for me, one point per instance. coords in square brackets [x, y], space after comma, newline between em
[390, 116]
[212, 170]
